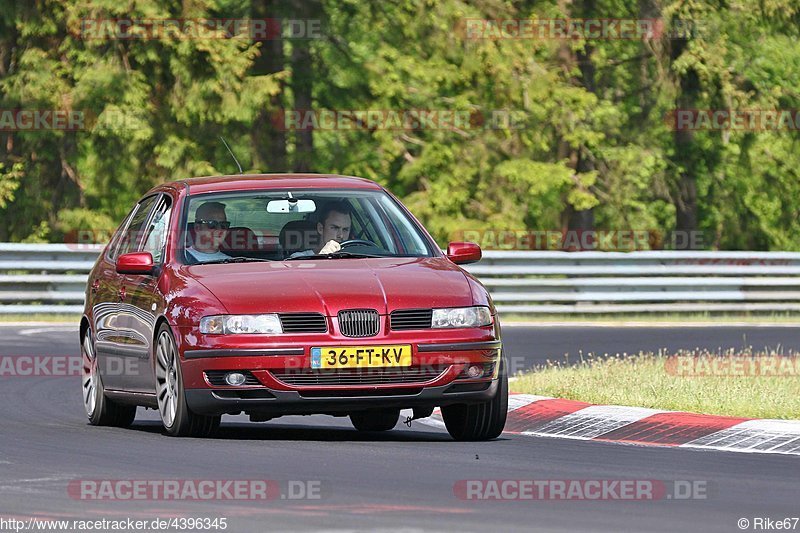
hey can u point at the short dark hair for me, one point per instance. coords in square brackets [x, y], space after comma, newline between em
[209, 206]
[340, 206]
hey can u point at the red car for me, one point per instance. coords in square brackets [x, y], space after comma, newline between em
[287, 294]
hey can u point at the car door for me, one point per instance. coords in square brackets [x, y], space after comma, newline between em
[142, 296]
[119, 350]
[103, 295]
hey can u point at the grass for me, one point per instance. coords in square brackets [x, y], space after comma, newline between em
[721, 318]
[73, 319]
[689, 383]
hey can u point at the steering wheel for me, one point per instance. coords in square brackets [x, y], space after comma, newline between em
[360, 242]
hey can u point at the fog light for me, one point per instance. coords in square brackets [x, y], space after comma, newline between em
[475, 371]
[235, 378]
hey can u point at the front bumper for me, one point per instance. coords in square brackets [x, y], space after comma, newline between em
[221, 401]
[449, 351]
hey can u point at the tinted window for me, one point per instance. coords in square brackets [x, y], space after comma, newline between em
[118, 234]
[132, 236]
[155, 236]
[256, 231]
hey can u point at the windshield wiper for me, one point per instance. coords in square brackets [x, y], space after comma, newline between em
[334, 255]
[234, 260]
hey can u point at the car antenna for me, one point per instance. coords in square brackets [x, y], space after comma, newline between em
[221, 138]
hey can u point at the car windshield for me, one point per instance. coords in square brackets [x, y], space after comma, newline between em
[289, 225]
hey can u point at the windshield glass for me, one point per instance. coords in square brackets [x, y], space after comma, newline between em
[279, 225]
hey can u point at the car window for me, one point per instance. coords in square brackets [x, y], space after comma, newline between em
[155, 237]
[133, 233]
[367, 224]
[114, 245]
[405, 234]
[374, 217]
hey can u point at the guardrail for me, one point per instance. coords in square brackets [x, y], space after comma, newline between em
[51, 278]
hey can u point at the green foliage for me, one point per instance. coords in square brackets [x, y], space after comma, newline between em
[9, 182]
[83, 226]
[557, 127]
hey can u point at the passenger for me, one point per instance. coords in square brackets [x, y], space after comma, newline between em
[211, 227]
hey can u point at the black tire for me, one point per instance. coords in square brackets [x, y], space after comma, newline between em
[480, 421]
[184, 422]
[100, 410]
[375, 419]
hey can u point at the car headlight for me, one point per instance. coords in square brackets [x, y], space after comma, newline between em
[461, 317]
[236, 324]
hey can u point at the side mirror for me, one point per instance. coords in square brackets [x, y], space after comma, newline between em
[463, 253]
[135, 263]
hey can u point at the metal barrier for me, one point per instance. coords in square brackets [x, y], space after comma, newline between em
[51, 278]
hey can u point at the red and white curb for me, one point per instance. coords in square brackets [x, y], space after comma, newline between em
[543, 416]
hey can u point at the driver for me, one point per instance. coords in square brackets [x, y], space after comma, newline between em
[333, 227]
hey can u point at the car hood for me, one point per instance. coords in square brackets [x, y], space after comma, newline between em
[330, 285]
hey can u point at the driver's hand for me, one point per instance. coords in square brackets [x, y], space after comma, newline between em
[330, 247]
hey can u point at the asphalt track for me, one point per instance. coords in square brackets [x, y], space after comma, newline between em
[399, 480]
[532, 346]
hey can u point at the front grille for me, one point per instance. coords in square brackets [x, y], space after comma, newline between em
[217, 377]
[359, 323]
[303, 323]
[376, 376]
[411, 319]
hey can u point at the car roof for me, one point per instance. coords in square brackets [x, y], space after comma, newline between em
[243, 182]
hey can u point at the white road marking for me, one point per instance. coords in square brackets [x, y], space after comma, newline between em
[515, 401]
[37, 331]
[754, 436]
[593, 421]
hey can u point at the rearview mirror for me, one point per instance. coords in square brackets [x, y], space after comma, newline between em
[463, 253]
[135, 263]
[293, 205]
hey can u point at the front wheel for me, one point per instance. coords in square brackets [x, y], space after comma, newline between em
[480, 421]
[100, 410]
[178, 419]
[375, 419]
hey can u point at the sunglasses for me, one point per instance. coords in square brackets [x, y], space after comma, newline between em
[214, 224]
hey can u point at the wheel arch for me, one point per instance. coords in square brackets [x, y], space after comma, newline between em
[156, 327]
[84, 327]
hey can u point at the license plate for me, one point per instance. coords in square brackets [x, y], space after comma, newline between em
[361, 356]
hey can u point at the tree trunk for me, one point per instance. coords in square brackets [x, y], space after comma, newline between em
[649, 9]
[581, 220]
[302, 84]
[269, 142]
[686, 155]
